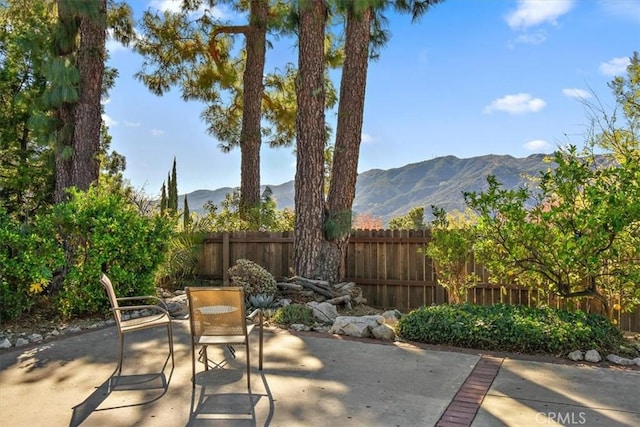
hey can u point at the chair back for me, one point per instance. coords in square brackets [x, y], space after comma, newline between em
[113, 300]
[217, 311]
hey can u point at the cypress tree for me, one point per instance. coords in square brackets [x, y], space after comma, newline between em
[173, 188]
[163, 199]
[187, 214]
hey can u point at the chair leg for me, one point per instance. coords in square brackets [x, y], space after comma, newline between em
[170, 333]
[248, 364]
[193, 364]
[121, 354]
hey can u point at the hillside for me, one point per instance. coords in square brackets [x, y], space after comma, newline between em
[390, 193]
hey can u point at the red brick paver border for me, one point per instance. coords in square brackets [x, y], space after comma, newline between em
[465, 404]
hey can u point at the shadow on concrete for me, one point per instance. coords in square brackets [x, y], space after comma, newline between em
[152, 385]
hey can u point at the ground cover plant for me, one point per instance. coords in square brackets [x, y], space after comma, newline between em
[292, 314]
[513, 328]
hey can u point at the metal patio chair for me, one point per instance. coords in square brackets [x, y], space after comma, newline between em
[159, 316]
[217, 317]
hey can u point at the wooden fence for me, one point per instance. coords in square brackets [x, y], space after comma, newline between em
[386, 264]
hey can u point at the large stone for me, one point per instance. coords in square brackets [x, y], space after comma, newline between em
[592, 356]
[356, 326]
[5, 343]
[391, 317]
[575, 355]
[384, 332]
[623, 361]
[323, 311]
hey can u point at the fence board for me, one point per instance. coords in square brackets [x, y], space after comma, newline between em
[386, 264]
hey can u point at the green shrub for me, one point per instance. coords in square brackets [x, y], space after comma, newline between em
[513, 328]
[253, 278]
[294, 313]
[102, 231]
[27, 261]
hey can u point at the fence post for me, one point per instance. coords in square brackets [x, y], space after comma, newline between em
[225, 258]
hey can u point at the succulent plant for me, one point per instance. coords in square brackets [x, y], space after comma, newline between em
[261, 300]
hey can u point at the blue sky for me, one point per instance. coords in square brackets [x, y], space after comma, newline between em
[470, 78]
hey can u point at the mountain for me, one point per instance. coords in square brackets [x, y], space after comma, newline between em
[391, 193]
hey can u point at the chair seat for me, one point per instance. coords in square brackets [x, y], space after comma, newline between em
[145, 322]
[221, 339]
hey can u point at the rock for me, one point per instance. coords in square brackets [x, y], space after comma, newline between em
[75, 329]
[299, 327]
[384, 332]
[356, 326]
[5, 343]
[391, 317]
[323, 311]
[35, 338]
[637, 360]
[21, 342]
[623, 361]
[592, 356]
[575, 355]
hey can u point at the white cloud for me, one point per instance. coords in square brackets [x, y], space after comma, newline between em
[516, 104]
[108, 121]
[531, 13]
[112, 45]
[166, 5]
[157, 132]
[174, 6]
[614, 67]
[537, 145]
[365, 138]
[576, 93]
[131, 124]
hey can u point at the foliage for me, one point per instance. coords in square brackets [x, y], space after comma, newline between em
[451, 249]
[413, 220]
[367, 222]
[102, 231]
[253, 278]
[27, 263]
[264, 217]
[579, 234]
[26, 163]
[513, 328]
[292, 314]
[183, 250]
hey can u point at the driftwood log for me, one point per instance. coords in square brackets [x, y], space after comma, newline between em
[320, 286]
[289, 286]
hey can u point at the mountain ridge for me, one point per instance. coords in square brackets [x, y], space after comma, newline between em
[390, 193]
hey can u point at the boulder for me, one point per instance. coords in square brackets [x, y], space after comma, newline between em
[323, 311]
[575, 355]
[592, 356]
[356, 326]
[384, 332]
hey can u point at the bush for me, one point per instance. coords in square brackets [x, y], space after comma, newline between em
[512, 328]
[294, 313]
[253, 278]
[102, 231]
[27, 261]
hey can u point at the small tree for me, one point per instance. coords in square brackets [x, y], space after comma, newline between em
[413, 220]
[579, 233]
[451, 249]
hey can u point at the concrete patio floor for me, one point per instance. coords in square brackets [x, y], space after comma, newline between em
[307, 380]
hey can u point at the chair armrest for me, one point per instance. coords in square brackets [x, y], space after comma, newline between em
[254, 313]
[160, 301]
[142, 307]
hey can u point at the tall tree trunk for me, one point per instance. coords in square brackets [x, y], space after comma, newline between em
[310, 124]
[250, 134]
[65, 112]
[90, 63]
[344, 173]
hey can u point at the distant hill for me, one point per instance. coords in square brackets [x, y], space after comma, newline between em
[391, 193]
